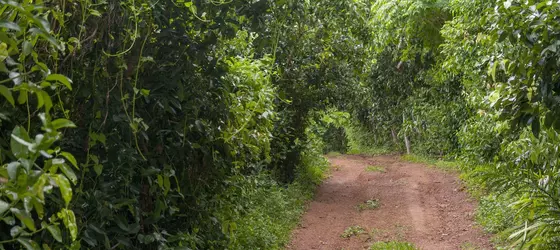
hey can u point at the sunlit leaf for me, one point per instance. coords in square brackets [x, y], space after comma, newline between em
[65, 188]
[60, 78]
[55, 232]
[70, 158]
[9, 25]
[19, 142]
[68, 172]
[69, 220]
[62, 123]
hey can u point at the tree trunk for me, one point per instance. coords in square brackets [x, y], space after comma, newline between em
[395, 139]
[407, 143]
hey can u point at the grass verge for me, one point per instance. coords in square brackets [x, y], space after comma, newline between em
[259, 213]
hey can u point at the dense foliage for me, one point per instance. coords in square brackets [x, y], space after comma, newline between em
[200, 124]
[477, 81]
[162, 124]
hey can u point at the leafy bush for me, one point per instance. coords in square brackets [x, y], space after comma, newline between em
[435, 128]
[36, 174]
[482, 147]
[179, 108]
[529, 169]
[494, 212]
[362, 141]
[271, 212]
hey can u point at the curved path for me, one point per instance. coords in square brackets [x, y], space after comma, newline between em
[418, 204]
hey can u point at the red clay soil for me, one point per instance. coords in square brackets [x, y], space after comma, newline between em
[417, 204]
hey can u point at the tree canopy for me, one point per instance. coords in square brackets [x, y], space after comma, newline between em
[144, 124]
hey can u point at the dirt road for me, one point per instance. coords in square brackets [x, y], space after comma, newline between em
[417, 204]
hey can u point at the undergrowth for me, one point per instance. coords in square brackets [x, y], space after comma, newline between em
[274, 209]
[333, 154]
[273, 213]
[439, 163]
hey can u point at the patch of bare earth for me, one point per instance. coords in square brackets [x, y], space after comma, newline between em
[418, 204]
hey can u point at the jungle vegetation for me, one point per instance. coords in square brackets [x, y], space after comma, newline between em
[179, 124]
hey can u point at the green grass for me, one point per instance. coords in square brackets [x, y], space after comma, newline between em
[259, 213]
[375, 169]
[353, 231]
[368, 205]
[333, 154]
[392, 245]
[469, 246]
[441, 164]
[369, 151]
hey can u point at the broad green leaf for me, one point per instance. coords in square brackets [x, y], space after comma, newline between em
[60, 78]
[38, 187]
[19, 142]
[9, 25]
[98, 168]
[62, 123]
[4, 91]
[69, 220]
[27, 47]
[65, 188]
[145, 92]
[94, 158]
[4, 206]
[95, 12]
[69, 173]
[40, 100]
[70, 158]
[3, 67]
[29, 244]
[24, 217]
[101, 138]
[22, 98]
[160, 181]
[494, 98]
[47, 100]
[166, 184]
[12, 169]
[3, 55]
[55, 232]
[39, 208]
